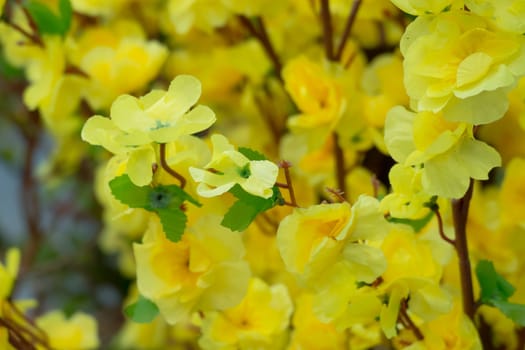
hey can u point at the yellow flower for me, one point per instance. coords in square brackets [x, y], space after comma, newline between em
[118, 59]
[508, 15]
[312, 239]
[259, 321]
[407, 198]
[412, 272]
[318, 96]
[229, 167]
[512, 195]
[309, 333]
[454, 63]
[446, 153]
[79, 332]
[8, 272]
[106, 8]
[202, 14]
[418, 7]
[203, 271]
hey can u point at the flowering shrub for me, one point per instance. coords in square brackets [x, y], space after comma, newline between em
[272, 174]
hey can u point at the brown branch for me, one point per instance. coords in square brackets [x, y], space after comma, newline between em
[326, 21]
[285, 165]
[460, 208]
[440, 226]
[258, 31]
[407, 321]
[340, 170]
[348, 28]
[167, 168]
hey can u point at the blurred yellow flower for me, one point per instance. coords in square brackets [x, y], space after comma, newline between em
[259, 321]
[79, 332]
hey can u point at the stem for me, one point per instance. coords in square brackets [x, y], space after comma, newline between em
[340, 170]
[285, 165]
[168, 169]
[327, 29]
[261, 35]
[460, 208]
[348, 28]
[405, 319]
[440, 227]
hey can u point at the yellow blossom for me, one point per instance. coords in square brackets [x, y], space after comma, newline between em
[79, 332]
[8, 272]
[109, 54]
[309, 333]
[203, 271]
[202, 14]
[99, 7]
[259, 321]
[418, 7]
[508, 15]
[456, 64]
[512, 195]
[229, 167]
[312, 239]
[446, 153]
[318, 96]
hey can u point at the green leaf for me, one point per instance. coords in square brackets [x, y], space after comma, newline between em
[173, 222]
[416, 224]
[142, 311]
[515, 312]
[239, 216]
[47, 21]
[66, 12]
[493, 285]
[251, 154]
[130, 194]
[246, 209]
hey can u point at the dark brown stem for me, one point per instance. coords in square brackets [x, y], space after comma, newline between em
[348, 28]
[258, 30]
[337, 194]
[340, 170]
[167, 168]
[460, 208]
[407, 321]
[34, 38]
[440, 227]
[326, 20]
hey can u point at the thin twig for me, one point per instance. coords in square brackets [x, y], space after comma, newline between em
[340, 170]
[285, 165]
[261, 35]
[326, 20]
[167, 168]
[348, 28]
[440, 227]
[407, 321]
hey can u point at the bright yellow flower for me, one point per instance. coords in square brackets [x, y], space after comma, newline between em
[407, 198]
[508, 15]
[118, 59]
[79, 332]
[202, 14]
[446, 153]
[312, 239]
[411, 272]
[309, 333]
[317, 95]
[229, 167]
[8, 272]
[203, 271]
[419, 7]
[259, 321]
[454, 63]
[106, 8]
[512, 195]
